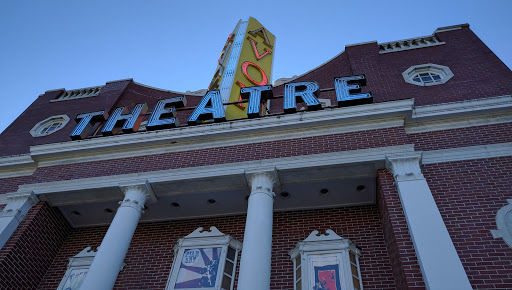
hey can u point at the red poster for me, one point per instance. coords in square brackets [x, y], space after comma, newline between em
[328, 277]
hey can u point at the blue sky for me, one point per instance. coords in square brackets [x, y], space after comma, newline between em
[174, 45]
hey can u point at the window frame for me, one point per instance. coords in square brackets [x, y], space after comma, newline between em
[201, 239]
[319, 247]
[48, 122]
[442, 71]
[81, 261]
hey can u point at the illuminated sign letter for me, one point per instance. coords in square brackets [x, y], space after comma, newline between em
[209, 108]
[307, 91]
[347, 89]
[254, 94]
[248, 45]
[255, 49]
[130, 122]
[87, 121]
[264, 79]
[263, 33]
[165, 109]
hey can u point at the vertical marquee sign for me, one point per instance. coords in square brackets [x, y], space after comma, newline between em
[245, 61]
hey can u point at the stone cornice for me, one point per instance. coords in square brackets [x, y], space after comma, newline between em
[328, 121]
[467, 153]
[374, 155]
[466, 107]
[18, 165]
[304, 124]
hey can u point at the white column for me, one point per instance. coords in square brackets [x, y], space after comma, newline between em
[439, 262]
[18, 205]
[257, 246]
[109, 259]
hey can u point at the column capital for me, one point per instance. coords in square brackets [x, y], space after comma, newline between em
[136, 194]
[262, 180]
[143, 187]
[405, 166]
[18, 204]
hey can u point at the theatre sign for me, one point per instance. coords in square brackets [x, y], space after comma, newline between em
[239, 89]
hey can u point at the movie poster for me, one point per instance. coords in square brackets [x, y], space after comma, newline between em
[198, 268]
[327, 277]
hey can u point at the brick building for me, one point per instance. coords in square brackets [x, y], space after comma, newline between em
[409, 191]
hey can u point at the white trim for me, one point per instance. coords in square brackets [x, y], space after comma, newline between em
[437, 257]
[361, 43]
[465, 122]
[460, 114]
[295, 162]
[328, 121]
[504, 224]
[35, 131]
[462, 107]
[467, 153]
[451, 28]
[316, 248]
[18, 205]
[188, 93]
[375, 155]
[199, 239]
[17, 165]
[445, 116]
[444, 73]
[81, 261]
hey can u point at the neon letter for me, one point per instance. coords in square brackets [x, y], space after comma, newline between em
[87, 121]
[264, 78]
[166, 109]
[254, 94]
[210, 107]
[130, 122]
[255, 49]
[307, 91]
[347, 89]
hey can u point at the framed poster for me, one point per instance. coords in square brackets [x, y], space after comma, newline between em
[325, 272]
[327, 277]
[204, 260]
[198, 268]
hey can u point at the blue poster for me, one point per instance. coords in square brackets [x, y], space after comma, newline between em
[198, 268]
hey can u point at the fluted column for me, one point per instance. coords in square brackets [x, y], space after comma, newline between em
[439, 262]
[257, 246]
[110, 256]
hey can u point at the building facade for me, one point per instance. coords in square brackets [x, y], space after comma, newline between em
[406, 187]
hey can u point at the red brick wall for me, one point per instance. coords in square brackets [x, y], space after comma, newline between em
[461, 137]
[478, 73]
[468, 195]
[16, 138]
[406, 269]
[220, 155]
[30, 251]
[150, 255]
[11, 184]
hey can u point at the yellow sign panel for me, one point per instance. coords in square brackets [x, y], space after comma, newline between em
[245, 61]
